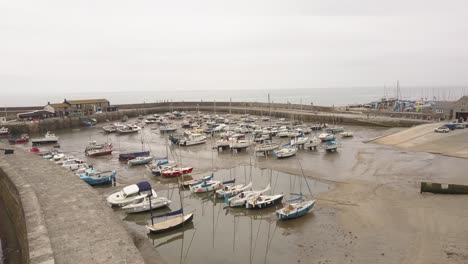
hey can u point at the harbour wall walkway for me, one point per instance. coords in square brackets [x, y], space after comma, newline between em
[57, 217]
[306, 113]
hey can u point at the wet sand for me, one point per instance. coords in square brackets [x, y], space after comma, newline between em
[369, 209]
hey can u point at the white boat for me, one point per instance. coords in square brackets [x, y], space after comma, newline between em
[239, 144]
[48, 138]
[346, 134]
[140, 160]
[326, 137]
[58, 156]
[229, 191]
[312, 143]
[206, 186]
[193, 139]
[264, 201]
[286, 152]
[143, 204]
[330, 146]
[283, 133]
[109, 129]
[295, 210]
[74, 164]
[128, 129]
[223, 143]
[4, 131]
[299, 141]
[130, 194]
[243, 197]
[270, 146]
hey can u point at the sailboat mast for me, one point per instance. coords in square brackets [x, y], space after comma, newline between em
[269, 108]
[230, 103]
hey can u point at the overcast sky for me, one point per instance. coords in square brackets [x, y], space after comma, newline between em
[115, 45]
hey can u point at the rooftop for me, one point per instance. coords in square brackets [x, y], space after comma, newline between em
[87, 101]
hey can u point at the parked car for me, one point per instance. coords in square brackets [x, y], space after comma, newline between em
[442, 129]
[460, 125]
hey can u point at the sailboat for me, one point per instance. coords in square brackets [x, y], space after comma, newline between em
[296, 209]
[178, 221]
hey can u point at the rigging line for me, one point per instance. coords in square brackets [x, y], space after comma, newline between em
[268, 240]
[190, 244]
[256, 239]
[307, 183]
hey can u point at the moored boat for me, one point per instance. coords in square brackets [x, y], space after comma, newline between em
[140, 160]
[229, 191]
[144, 205]
[98, 178]
[285, 152]
[19, 140]
[326, 137]
[176, 171]
[48, 138]
[197, 181]
[206, 186]
[243, 197]
[295, 210]
[131, 193]
[264, 201]
[132, 155]
[4, 131]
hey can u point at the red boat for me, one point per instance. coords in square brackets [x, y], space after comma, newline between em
[34, 150]
[23, 139]
[176, 172]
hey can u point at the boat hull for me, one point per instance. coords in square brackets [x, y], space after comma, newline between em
[264, 204]
[281, 215]
[129, 156]
[177, 224]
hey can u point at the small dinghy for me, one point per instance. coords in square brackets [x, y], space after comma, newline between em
[98, 178]
[346, 134]
[229, 191]
[264, 201]
[243, 197]
[294, 210]
[131, 193]
[143, 204]
[140, 161]
[172, 223]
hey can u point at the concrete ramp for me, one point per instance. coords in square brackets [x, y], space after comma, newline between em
[423, 138]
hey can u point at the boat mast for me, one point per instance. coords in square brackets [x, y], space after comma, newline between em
[269, 107]
[230, 102]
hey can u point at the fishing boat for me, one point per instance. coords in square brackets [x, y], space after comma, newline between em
[295, 210]
[330, 146]
[48, 138]
[131, 193]
[229, 191]
[24, 138]
[193, 139]
[197, 181]
[132, 155]
[176, 171]
[326, 137]
[104, 149]
[4, 131]
[94, 178]
[143, 204]
[140, 160]
[267, 146]
[243, 197]
[346, 134]
[285, 152]
[264, 201]
[128, 129]
[206, 186]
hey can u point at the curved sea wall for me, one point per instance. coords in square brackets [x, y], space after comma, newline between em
[57, 217]
[307, 113]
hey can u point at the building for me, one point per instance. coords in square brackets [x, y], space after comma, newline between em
[78, 107]
[60, 109]
[460, 108]
[443, 110]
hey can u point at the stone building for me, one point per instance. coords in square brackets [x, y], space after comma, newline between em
[78, 107]
[460, 108]
[443, 110]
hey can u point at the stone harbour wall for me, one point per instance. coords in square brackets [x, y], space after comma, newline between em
[57, 217]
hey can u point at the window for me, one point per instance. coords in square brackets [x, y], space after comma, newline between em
[439, 111]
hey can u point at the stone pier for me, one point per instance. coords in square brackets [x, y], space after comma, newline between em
[57, 217]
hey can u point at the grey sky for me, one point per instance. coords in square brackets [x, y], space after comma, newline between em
[115, 45]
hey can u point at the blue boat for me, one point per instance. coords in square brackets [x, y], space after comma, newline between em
[98, 178]
[295, 210]
[132, 155]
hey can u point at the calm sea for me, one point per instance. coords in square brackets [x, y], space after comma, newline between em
[317, 96]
